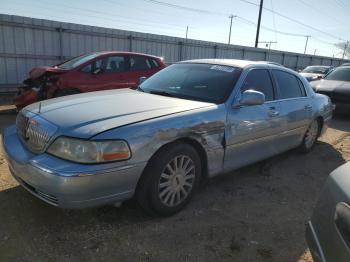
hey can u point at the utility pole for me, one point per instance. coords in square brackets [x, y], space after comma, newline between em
[229, 35]
[186, 33]
[345, 48]
[268, 43]
[259, 20]
[315, 51]
[307, 40]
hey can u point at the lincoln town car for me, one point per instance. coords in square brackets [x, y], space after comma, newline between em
[192, 120]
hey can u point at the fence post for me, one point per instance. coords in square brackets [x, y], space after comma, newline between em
[215, 51]
[297, 65]
[130, 43]
[265, 55]
[60, 37]
[321, 60]
[283, 58]
[243, 53]
[311, 59]
[180, 50]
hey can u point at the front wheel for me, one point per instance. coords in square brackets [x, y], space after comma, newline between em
[311, 135]
[169, 180]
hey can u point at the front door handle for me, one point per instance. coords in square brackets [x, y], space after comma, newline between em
[274, 113]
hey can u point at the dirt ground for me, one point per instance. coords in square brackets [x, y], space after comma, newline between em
[257, 213]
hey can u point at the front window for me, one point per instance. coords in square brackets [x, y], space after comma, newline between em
[339, 74]
[316, 70]
[201, 82]
[77, 61]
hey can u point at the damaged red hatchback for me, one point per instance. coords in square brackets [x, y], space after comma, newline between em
[86, 73]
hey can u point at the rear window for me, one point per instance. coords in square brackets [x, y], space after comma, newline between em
[288, 85]
[202, 82]
[139, 63]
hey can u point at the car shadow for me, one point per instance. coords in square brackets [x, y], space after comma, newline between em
[256, 213]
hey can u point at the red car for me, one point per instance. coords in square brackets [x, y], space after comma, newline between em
[86, 73]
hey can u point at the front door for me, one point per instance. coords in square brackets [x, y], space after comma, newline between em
[252, 132]
[105, 73]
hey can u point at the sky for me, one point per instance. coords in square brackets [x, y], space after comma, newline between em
[285, 22]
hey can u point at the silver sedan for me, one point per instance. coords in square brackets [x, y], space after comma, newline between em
[194, 119]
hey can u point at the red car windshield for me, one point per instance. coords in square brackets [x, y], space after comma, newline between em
[77, 61]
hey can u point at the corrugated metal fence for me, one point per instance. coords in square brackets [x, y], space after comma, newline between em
[28, 42]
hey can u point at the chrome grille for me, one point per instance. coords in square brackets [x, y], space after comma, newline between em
[34, 132]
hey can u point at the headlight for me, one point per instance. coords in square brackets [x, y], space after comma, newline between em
[89, 152]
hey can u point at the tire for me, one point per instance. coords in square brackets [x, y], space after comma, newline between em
[163, 191]
[311, 135]
[66, 92]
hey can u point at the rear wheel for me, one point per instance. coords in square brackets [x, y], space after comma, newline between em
[66, 92]
[311, 135]
[170, 180]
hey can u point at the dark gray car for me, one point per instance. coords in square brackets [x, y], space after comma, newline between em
[328, 232]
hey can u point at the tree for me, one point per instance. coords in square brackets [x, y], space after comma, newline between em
[344, 46]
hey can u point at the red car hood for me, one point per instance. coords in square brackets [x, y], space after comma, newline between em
[39, 71]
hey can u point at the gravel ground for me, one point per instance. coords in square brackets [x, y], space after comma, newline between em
[257, 213]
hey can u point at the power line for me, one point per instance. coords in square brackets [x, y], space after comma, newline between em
[315, 9]
[293, 20]
[183, 7]
[202, 11]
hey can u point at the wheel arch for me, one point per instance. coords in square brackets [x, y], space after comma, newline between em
[186, 140]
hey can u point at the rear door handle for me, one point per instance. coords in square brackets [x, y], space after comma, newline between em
[308, 107]
[274, 113]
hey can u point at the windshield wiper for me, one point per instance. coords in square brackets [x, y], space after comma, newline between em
[162, 93]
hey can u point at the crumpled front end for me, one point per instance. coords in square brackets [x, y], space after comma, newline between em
[60, 182]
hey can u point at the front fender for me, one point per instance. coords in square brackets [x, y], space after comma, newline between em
[205, 126]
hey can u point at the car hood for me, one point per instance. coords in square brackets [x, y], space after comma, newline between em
[331, 86]
[310, 75]
[39, 71]
[85, 115]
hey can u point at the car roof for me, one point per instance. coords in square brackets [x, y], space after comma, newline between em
[123, 53]
[319, 66]
[230, 62]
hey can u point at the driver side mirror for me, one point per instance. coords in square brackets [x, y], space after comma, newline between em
[252, 97]
[142, 79]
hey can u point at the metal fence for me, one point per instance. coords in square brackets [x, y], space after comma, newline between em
[27, 42]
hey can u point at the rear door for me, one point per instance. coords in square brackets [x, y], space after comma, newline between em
[139, 66]
[296, 106]
[253, 132]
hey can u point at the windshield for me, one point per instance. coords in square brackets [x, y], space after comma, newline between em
[316, 69]
[77, 61]
[201, 82]
[339, 74]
